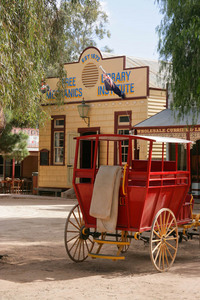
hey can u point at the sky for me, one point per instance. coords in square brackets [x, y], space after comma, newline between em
[132, 24]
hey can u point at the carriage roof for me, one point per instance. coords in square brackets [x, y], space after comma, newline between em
[119, 137]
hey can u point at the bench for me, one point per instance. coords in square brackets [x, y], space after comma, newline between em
[156, 165]
[53, 190]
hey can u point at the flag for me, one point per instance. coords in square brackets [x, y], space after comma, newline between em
[111, 86]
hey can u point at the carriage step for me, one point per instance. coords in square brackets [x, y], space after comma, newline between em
[111, 242]
[104, 256]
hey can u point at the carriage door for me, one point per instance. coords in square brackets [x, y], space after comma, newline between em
[71, 142]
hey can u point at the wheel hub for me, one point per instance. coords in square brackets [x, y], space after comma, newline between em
[84, 232]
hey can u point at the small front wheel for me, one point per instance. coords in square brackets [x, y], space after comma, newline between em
[164, 240]
[78, 242]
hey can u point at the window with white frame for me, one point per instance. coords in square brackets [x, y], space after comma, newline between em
[122, 126]
[58, 136]
[124, 145]
[58, 147]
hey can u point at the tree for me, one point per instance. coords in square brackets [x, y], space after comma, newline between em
[23, 52]
[179, 49]
[13, 145]
[84, 21]
[33, 35]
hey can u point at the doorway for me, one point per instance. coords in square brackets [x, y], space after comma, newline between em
[87, 149]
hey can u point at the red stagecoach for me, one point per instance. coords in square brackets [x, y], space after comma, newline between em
[121, 197]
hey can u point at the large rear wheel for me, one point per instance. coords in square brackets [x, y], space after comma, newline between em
[164, 240]
[78, 241]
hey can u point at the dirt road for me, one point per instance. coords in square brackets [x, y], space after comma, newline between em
[34, 263]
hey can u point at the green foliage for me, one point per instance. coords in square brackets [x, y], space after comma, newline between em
[179, 44]
[23, 53]
[35, 35]
[13, 145]
[84, 22]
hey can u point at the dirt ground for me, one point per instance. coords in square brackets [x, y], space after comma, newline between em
[34, 263]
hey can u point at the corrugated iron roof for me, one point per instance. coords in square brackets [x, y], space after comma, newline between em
[156, 79]
[167, 117]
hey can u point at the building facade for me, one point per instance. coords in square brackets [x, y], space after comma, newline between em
[167, 124]
[23, 169]
[108, 113]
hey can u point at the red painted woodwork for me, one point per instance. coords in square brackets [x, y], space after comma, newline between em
[149, 184]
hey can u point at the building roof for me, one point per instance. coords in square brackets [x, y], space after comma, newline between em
[156, 79]
[168, 118]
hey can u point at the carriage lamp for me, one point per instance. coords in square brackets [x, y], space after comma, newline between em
[83, 110]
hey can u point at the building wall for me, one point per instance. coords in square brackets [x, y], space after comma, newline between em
[142, 103]
[101, 115]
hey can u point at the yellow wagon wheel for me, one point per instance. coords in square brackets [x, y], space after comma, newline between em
[78, 241]
[123, 238]
[164, 240]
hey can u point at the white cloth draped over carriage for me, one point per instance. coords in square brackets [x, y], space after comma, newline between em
[104, 203]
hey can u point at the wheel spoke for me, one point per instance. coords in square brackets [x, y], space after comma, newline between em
[155, 241]
[76, 247]
[158, 226]
[80, 216]
[166, 258]
[169, 252]
[76, 220]
[171, 239]
[72, 238]
[161, 224]
[169, 225]
[156, 247]
[170, 232]
[74, 244]
[73, 225]
[160, 254]
[163, 257]
[86, 245]
[72, 231]
[157, 234]
[167, 221]
[164, 227]
[80, 245]
[170, 246]
[157, 254]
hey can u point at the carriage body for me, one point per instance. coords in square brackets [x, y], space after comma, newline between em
[147, 185]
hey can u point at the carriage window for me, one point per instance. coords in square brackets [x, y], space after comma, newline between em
[58, 140]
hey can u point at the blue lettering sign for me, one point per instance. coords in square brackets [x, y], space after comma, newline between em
[86, 57]
[69, 81]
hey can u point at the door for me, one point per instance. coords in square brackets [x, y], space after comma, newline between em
[71, 142]
[87, 151]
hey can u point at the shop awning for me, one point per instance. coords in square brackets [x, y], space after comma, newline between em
[167, 118]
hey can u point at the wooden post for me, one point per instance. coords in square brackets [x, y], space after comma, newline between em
[13, 169]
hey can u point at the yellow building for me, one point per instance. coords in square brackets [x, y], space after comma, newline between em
[107, 112]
